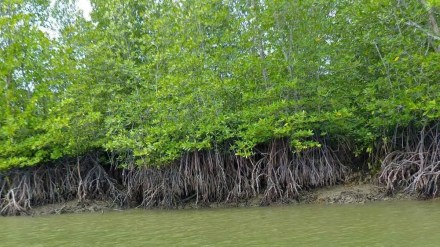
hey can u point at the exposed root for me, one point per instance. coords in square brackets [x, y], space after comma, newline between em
[98, 184]
[416, 168]
[211, 176]
[16, 199]
[20, 189]
[288, 173]
[276, 173]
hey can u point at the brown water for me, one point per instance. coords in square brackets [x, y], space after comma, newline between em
[398, 223]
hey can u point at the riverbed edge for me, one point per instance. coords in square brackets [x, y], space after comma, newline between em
[350, 193]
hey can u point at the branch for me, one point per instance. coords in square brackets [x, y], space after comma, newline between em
[427, 32]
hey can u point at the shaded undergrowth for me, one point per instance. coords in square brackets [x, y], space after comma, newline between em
[274, 174]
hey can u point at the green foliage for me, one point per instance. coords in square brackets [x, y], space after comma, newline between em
[151, 80]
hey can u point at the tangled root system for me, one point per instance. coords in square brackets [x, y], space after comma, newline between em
[276, 173]
[416, 166]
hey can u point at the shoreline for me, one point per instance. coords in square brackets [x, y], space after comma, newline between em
[359, 193]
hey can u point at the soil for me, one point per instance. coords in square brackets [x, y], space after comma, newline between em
[352, 193]
[338, 194]
[74, 206]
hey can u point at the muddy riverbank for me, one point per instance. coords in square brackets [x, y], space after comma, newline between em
[337, 194]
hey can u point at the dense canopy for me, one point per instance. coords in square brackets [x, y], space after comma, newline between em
[148, 81]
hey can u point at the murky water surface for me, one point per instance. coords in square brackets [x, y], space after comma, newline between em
[403, 223]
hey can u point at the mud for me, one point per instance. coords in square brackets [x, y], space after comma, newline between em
[338, 194]
[352, 193]
[74, 206]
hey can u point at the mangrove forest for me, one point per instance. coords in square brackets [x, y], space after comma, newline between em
[157, 103]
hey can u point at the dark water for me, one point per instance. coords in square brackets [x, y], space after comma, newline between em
[403, 223]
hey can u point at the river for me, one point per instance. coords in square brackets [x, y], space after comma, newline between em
[396, 223]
